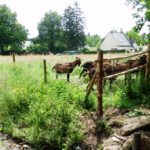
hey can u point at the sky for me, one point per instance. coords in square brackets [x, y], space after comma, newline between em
[101, 16]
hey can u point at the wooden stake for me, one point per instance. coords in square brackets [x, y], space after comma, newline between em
[13, 56]
[91, 85]
[147, 73]
[100, 83]
[45, 71]
[136, 145]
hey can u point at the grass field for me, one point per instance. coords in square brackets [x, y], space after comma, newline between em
[47, 114]
[58, 58]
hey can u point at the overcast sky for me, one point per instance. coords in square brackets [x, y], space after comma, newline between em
[101, 15]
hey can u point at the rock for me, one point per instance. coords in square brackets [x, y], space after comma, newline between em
[113, 147]
[26, 147]
[128, 144]
[113, 143]
[135, 124]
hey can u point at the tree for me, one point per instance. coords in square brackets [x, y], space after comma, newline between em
[13, 34]
[93, 40]
[73, 23]
[142, 14]
[135, 37]
[51, 31]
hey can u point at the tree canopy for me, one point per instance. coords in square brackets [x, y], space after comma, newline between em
[73, 23]
[134, 36]
[13, 34]
[51, 31]
[93, 40]
[142, 14]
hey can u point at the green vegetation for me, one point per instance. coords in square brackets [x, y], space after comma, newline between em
[134, 36]
[48, 114]
[38, 113]
[103, 127]
[13, 34]
[141, 15]
[93, 40]
[51, 32]
[74, 25]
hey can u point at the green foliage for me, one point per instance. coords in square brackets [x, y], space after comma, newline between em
[38, 113]
[100, 147]
[48, 114]
[102, 127]
[87, 51]
[51, 32]
[37, 48]
[134, 36]
[93, 40]
[136, 112]
[115, 51]
[73, 24]
[130, 95]
[142, 14]
[13, 34]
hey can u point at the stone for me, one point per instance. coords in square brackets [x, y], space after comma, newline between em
[135, 124]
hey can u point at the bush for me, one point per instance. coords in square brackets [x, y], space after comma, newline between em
[37, 49]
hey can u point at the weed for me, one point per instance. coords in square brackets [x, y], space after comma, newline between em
[102, 127]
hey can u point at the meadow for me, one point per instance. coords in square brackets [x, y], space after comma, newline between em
[47, 115]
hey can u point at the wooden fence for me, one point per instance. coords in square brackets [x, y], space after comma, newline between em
[98, 75]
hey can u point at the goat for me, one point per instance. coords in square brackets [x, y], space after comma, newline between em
[90, 64]
[109, 69]
[129, 65]
[106, 70]
[66, 68]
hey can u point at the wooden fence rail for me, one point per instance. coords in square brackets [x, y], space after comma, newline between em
[98, 75]
[124, 72]
[125, 57]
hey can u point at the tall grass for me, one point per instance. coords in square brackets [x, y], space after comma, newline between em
[48, 114]
[40, 113]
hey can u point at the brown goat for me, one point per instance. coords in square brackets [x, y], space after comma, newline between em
[92, 64]
[66, 68]
[109, 69]
[106, 70]
[129, 65]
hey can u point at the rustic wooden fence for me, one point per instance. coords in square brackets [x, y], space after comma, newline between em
[99, 79]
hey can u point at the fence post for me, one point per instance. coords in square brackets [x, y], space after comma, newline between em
[136, 145]
[13, 56]
[45, 71]
[147, 74]
[100, 83]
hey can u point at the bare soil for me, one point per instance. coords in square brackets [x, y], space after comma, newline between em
[115, 119]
